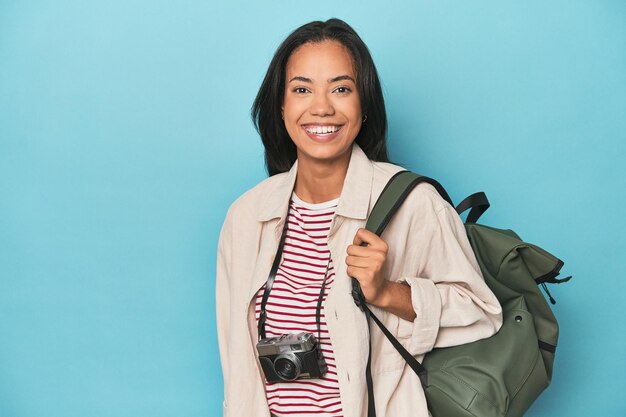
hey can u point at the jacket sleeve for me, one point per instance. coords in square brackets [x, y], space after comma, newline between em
[222, 295]
[452, 302]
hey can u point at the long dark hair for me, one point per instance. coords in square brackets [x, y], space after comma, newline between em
[280, 151]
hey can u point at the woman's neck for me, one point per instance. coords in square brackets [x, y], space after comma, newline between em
[317, 182]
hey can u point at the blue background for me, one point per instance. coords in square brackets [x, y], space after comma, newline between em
[125, 135]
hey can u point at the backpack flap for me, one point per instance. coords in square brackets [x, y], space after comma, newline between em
[513, 268]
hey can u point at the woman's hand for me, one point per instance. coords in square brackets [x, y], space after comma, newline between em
[365, 263]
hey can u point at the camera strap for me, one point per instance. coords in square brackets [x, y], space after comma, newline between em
[270, 283]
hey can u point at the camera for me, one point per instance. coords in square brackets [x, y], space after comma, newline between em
[290, 357]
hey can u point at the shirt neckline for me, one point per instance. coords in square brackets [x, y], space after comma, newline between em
[314, 206]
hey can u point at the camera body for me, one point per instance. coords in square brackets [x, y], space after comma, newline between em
[290, 357]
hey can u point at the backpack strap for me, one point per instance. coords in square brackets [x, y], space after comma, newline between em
[393, 195]
[477, 202]
[391, 198]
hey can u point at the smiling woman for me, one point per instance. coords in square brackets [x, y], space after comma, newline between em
[306, 47]
[321, 107]
[292, 341]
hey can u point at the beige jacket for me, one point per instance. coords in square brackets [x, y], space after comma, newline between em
[428, 249]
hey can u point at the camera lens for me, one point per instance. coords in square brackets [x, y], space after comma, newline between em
[287, 367]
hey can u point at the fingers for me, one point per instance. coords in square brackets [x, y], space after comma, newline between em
[372, 239]
[373, 262]
[363, 261]
[359, 256]
[366, 263]
[366, 256]
[365, 276]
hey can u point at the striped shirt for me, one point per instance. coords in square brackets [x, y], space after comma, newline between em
[291, 308]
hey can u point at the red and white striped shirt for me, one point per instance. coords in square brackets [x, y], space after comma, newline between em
[292, 304]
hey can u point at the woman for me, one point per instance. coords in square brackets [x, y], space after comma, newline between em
[321, 116]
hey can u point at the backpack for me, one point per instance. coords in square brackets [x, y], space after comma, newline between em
[502, 375]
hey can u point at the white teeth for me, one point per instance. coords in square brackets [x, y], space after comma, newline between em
[321, 130]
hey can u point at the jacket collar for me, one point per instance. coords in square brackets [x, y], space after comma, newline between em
[353, 201]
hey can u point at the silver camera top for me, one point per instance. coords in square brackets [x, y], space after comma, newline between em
[295, 343]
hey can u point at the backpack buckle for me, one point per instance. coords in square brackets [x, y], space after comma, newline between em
[357, 295]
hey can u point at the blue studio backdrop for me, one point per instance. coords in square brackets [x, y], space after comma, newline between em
[125, 136]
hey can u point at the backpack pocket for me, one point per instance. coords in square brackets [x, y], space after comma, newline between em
[493, 377]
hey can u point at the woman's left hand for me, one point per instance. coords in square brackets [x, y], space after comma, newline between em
[365, 263]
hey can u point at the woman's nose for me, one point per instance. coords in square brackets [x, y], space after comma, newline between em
[322, 106]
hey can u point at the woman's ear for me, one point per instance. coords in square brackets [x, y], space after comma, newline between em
[282, 112]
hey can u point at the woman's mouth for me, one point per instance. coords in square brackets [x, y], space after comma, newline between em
[322, 133]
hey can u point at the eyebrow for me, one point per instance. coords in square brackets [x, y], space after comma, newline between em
[332, 80]
[341, 78]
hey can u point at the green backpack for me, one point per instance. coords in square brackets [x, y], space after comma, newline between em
[502, 375]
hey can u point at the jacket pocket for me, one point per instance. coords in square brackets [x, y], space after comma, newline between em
[385, 357]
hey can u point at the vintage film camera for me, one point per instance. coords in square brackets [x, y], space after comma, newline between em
[290, 357]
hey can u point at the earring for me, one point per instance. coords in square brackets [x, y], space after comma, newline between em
[364, 118]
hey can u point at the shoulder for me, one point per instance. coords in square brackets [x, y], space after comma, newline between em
[426, 197]
[423, 199]
[245, 207]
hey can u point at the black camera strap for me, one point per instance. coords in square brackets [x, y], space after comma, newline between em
[270, 280]
[320, 299]
[270, 283]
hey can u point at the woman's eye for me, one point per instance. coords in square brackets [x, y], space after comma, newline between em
[300, 90]
[343, 90]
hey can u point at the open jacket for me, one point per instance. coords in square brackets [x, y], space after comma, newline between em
[428, 249]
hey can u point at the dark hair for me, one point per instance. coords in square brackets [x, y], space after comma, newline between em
[280, 151]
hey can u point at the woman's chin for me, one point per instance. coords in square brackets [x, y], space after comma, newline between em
[327, 153]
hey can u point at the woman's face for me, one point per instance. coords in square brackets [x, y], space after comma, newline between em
[321, 106]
